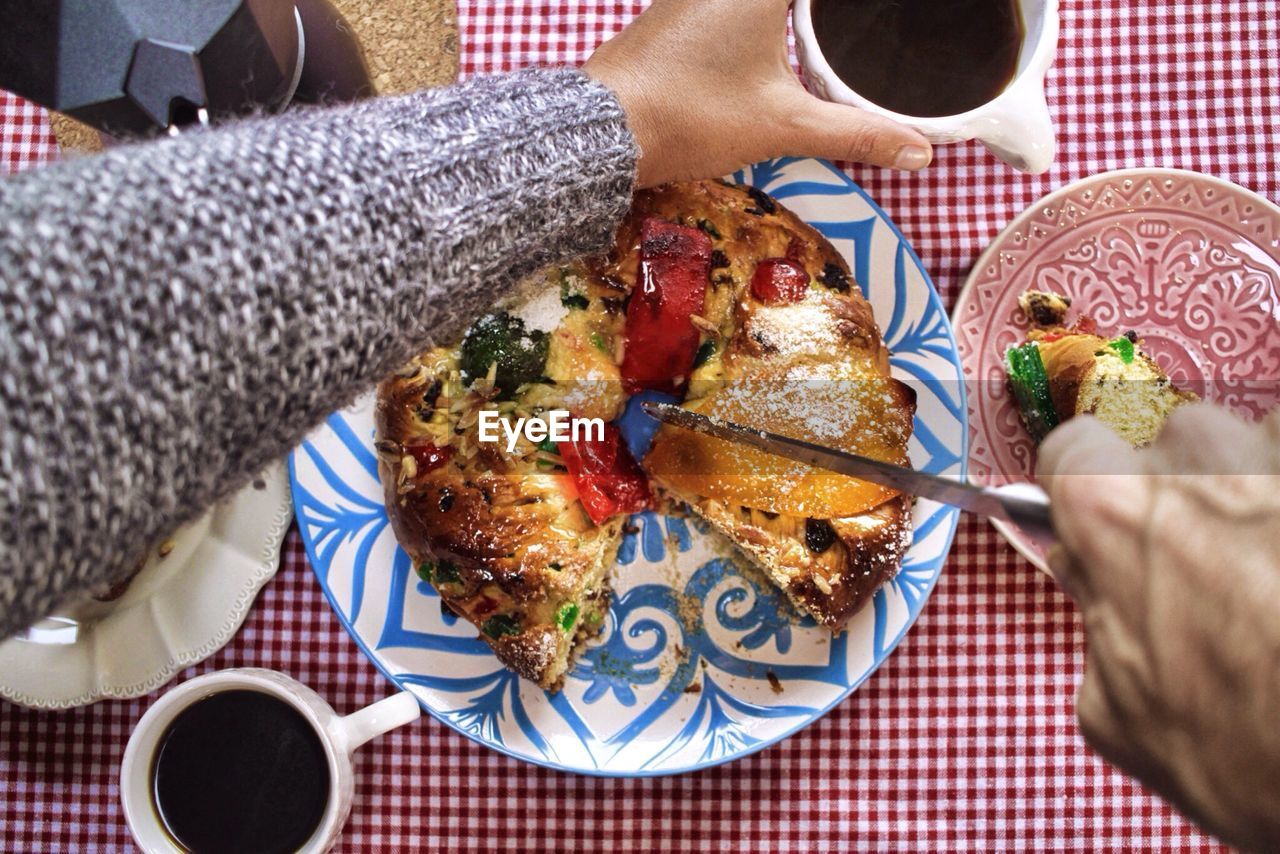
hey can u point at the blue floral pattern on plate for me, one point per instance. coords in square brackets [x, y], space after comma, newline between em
[685, 673]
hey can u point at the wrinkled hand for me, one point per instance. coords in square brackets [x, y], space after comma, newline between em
[707, 88]
[1173, 555]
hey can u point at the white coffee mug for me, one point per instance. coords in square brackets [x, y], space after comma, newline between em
[1015, 125]
[339, 735]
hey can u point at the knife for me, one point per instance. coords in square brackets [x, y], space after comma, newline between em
[1023, 504]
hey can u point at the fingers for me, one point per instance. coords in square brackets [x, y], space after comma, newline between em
[819, 128]
[1099, 722]
[1084, 446]
[1099, 498]
[1205, 439]
[1069, 578]
[1125, 735]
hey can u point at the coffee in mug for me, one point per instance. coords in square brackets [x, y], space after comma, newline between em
[952, 69]
[246, 760]
[240, 770]
[922, 57]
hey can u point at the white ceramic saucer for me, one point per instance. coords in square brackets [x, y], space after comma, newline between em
[179, 609]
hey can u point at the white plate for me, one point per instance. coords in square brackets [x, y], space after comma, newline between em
[177, 611]
[697, 663]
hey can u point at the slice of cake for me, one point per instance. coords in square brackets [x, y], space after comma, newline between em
[1062, 371]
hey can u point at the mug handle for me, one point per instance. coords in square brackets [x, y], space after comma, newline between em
[1019, 130]
[372, 721]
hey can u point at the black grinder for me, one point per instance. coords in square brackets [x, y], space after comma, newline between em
[134, 67]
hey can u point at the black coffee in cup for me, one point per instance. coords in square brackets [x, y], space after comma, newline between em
[924, 58]
[240, 771]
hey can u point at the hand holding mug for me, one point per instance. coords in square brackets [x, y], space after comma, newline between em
[707, 88]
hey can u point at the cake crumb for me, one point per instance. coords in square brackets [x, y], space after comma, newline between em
[1045, 308]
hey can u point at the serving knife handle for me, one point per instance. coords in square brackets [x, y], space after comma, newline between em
[1027, 506]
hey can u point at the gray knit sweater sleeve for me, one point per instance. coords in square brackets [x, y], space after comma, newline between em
[175, 315]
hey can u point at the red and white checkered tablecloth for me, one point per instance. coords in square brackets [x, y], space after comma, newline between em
[966, 738]
[26, 140]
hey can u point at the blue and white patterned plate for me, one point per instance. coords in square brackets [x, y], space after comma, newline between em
[687, 669]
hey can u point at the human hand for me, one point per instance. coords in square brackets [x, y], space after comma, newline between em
[707, 88]
[1173, 555]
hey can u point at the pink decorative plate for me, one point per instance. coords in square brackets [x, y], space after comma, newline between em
[1190, 262]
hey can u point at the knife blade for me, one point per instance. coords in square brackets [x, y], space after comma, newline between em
[1025, 505]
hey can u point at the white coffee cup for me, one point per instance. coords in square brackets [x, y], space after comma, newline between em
[1015, 125]
[339, 735]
